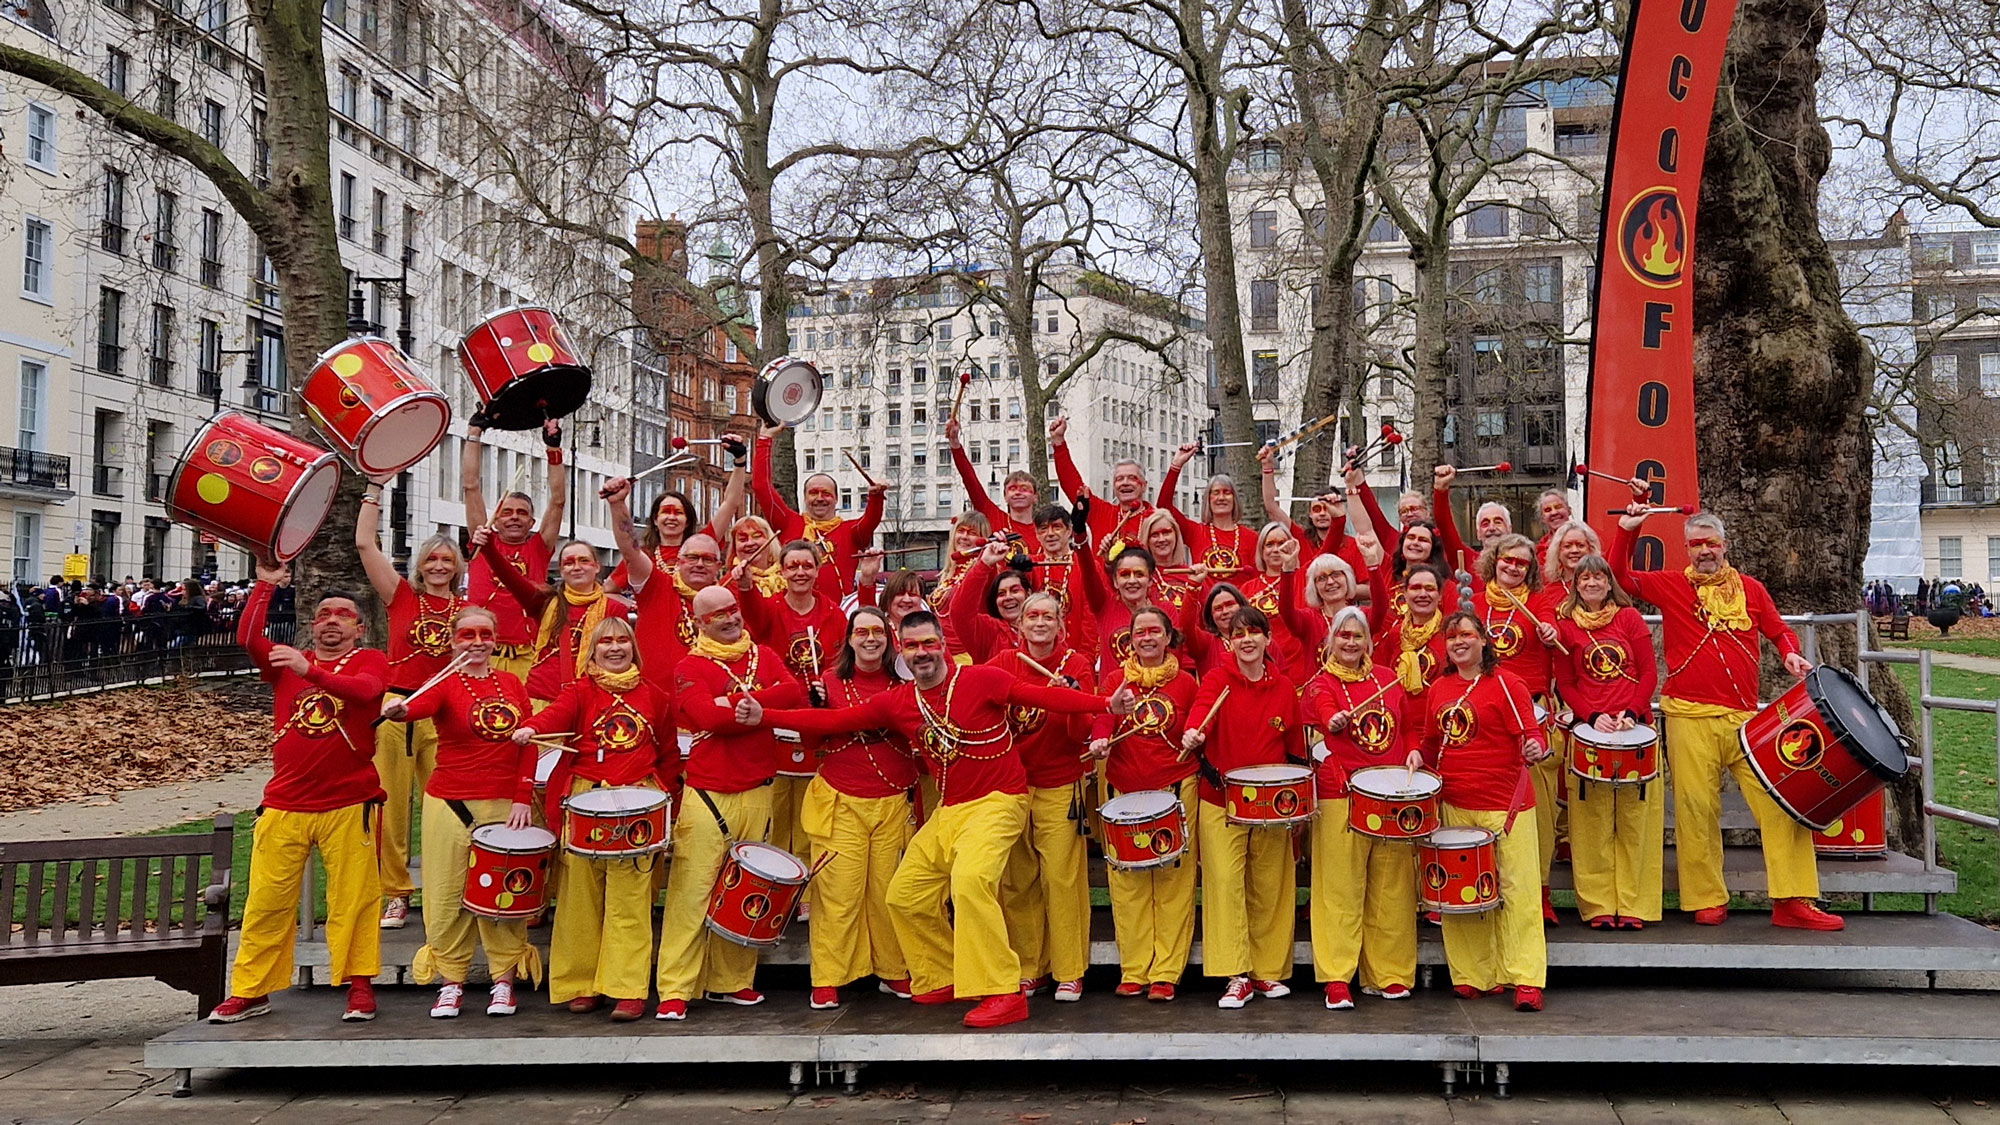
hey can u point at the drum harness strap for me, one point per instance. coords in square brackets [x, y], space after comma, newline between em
[720, 822]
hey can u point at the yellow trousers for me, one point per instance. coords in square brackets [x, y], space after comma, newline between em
[1503, 946]
[1152, 909]
[1546, 778]
[1046, 888]
[851, 933]
[788, 795]
[279, 857]
[1615, 842]
[1364, 903]
[520, 665]
[1699, 752]
[405, 754]
[451, 934]
[960, 853]
[602, 944]
[692, 958]
[1249, 898]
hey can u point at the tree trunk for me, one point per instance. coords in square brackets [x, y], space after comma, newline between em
[1429, 348]
[1781, 373]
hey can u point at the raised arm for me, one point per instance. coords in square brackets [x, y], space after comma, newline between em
[1067, 477]
[1267, 477]
[731, 505]
[531, 596]
[1441, 514]
[862, 530]
[968, 475]
[1171, 480]
[638, 560]
[552, 515]
[761, 488]
[1061, 700]
[470, 456]
[382, 576]
[256, 609]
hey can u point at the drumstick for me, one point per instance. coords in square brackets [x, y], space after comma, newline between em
[1583, 470]
[857, 467]
[677, 461]
[964, 381]
[457, 662]
[1212, 713]
[553, 745]
[1024, 658]
[1304, 432]
[1521, 604]
[812, 648]
[1677, 509]
[1501, 467]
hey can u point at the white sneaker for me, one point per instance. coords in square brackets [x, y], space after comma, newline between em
[449, 995]
[500, 1002]
[1070, 991]
[395, 913]
[1237, 994]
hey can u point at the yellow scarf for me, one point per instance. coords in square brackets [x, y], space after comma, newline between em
[1410, 669]
[1503, 597]
[1345, 674]
[1146, 679]
[681, 587]
[768, 580]
[1594, 619]
[1721, 596]
[556, 613]
[816, 529]
[705, 645]
[614, 681]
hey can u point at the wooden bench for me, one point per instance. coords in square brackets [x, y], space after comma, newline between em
[121, 906]
[1898, 628]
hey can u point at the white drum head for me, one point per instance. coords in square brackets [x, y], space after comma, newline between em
[1541, 714]
[1267, 775]
[1127, 808]
[788, 389]
[772, 862]
[1395, 782]
[501, 838]
[312, 499]
[1638, 736]
[404, 434]
[1463, 836]
[619, 799]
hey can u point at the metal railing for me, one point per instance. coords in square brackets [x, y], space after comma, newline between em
[31, 468]
[52, 658]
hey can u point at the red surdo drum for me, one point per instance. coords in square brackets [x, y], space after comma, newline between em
[507, 874]
[1824, 747]
[755, 893]
[1459, 870]
[367, 401]
[1270, 796]
[616, 821]
[1617, 757]
[266, 491]
[523, 367]
[1143, 829]
[1392, 803]
[1862, 832]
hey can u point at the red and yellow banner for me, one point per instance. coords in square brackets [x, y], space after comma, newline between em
[1639, 417]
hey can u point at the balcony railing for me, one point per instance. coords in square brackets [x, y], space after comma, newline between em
[29, 468]
[156, 487]
[110, 358]
[160, 370]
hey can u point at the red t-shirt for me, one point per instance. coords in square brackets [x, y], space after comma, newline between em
[866, 763]
[836, 577]
[1704, 666]
[476, 757]
[1471, 732]
[1374, 735]
[1109, 524]
[1230, 556]
[1051, 746]
[622, 738]
[977, 499]
[1515, 640]
[665, 629]
[529, 560]
[1259, 725]
[1608, 671]
[729, 757]
[323, 744]
[1151, 756]
[419, 635]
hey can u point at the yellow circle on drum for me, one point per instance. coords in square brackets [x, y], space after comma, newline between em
[347, 364]
[1468, 894]
[1142, 839]
[1631, 775]
[1860, 835]
[540, 352]
[1836, 828]
[1249, 792]
[504, 899]
[212, 487]
[1375, 821]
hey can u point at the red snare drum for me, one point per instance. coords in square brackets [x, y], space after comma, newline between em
[1618, 757]
[755, 893]
[507, 875]
[367, 401]
[522, 366]
[793, 758]
[1861, 833]
[1459, 870]
[1144, 829]
[1270, 796]
[1391, 803]
[1824, 747]
[618, 821]
[245, 482]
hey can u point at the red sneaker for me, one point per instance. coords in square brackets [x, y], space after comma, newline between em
[239, 1008]
[1804, 914]
[1625, 923]
[1271, 989]
[583, 1004]
[360, 1000]
[1037, 986]
[1129, 988]
[998, 1011]
[899, 988]
[1601, 922]
[626, 1011]
[672, 1010]
[1548, 909]
[1389, 991]
[1338, 998]
[1236, 994]
[1711, 916]
[743, 997]
[1467, 992]
[935, 996]
[824, 999]
[1527, 998]
[1161, 992]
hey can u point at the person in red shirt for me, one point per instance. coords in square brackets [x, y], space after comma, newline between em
[1607, 679]
[481, 778]
[958, 715]
[321, 794]
[664, 605]
[526, 549]
[1152, 909]
[1553, 506]
[1131, 589]
[1558, 554]
[1019, 490]
[1476, 726]
[729, 778]
[1409, 634]
[985, 610]
[1508, 601]
[1491, 520]
[1248, 877]
[1329, 587]
[1222, 543]
[1278, 571]
[970, 532]
[1110, 524]
[858, 815]
[1060, 566]
[1364, 889]
[566, 611]
[674, 518]
[819, 524]
[1711, 615]
[1046, 889]
[624, 737]
[800, 623]
[419, 648]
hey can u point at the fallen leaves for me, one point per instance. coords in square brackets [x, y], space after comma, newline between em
[131, 738]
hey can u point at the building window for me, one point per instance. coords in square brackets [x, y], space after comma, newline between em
[1992, 558]
[34, 396]
[160, 364]
[1264, 156]
[1989, 374]
[1951, 557]
[112, 232]
[117, 71]
[1263, 228]
[211, 248]
[1944, 375]
[1986, 251]
[378, 216]
[41, 152]
[378, 111]
[347, 93]
[208, 374]
[1579, 140]
[1538, 282]
[1486, 220]
[1264, 376]
[167, 98]
[110, 331]
[211, 121]
[1263, 306]
[413, 128]
[38, 281]
[27, 546]
[345, 204]
[1533, 217]
[1383, 229]
[267, 372]
[166, 214]
[1053, 326]
[1490, 425]
[264, 283]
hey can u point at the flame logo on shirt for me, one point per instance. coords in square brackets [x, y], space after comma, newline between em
[430, 636]
[1427, 663]
[1152, 714]
[805, 654]
[1457, 724]
[1373, 730]
[1266, 600]
[1506, 638]
[1026, 720]
[1121, 645]
[316, 713]
[495, 718]
[1800, 745]
[620, 728]
[1221, 558]
[1604, 661]
[684, 629]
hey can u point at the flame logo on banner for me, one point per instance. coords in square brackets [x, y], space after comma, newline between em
[1652, 238]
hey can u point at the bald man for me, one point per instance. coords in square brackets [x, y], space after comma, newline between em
[838, 539]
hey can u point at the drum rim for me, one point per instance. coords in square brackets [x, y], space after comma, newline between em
[382, 415]
[508, 849]
[1577, 729]
[187, 456]
[350, 342]
[760, 388]
[1104, 810]
[292, 501]
[1489, 836]
[491, 315]
[1436, 780]
[661, 801]
[752, 847]
[1868, 755]
[1293, 774]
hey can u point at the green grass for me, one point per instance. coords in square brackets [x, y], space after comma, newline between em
[1965, 778]
[1963, 646]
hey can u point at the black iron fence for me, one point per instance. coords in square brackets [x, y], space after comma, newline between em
[52, 658]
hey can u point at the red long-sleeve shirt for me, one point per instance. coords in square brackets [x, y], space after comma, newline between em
[1374, 735]
[1259, 725]
[729, 757]
[1515, 640]
[1064, 578]
[528, 559]
[476, 758]
[842, 541]
[1716, 666]
[974, 699]
[1108, 522]
[1230, 556]
[622, 738]
[977, 499]
[1608, 671]
[865, 763]
[808, 641]
[666, 629]
[1051, 746]
[323, 738]
[1151, 758]
[419, 635]
[1471, 732]
[555, 663]
[974, 631]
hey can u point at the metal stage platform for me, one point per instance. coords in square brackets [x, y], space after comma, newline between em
[1593, 1024]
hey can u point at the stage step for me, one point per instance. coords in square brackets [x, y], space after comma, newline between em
[1623, 1025]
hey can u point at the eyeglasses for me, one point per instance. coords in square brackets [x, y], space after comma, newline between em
[699, 557]
[1698, 544]
[334, 612]
[1518, 564]
[474, 635]
[868, 633]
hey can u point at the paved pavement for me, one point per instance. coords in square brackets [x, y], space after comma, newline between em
[1986, 664]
